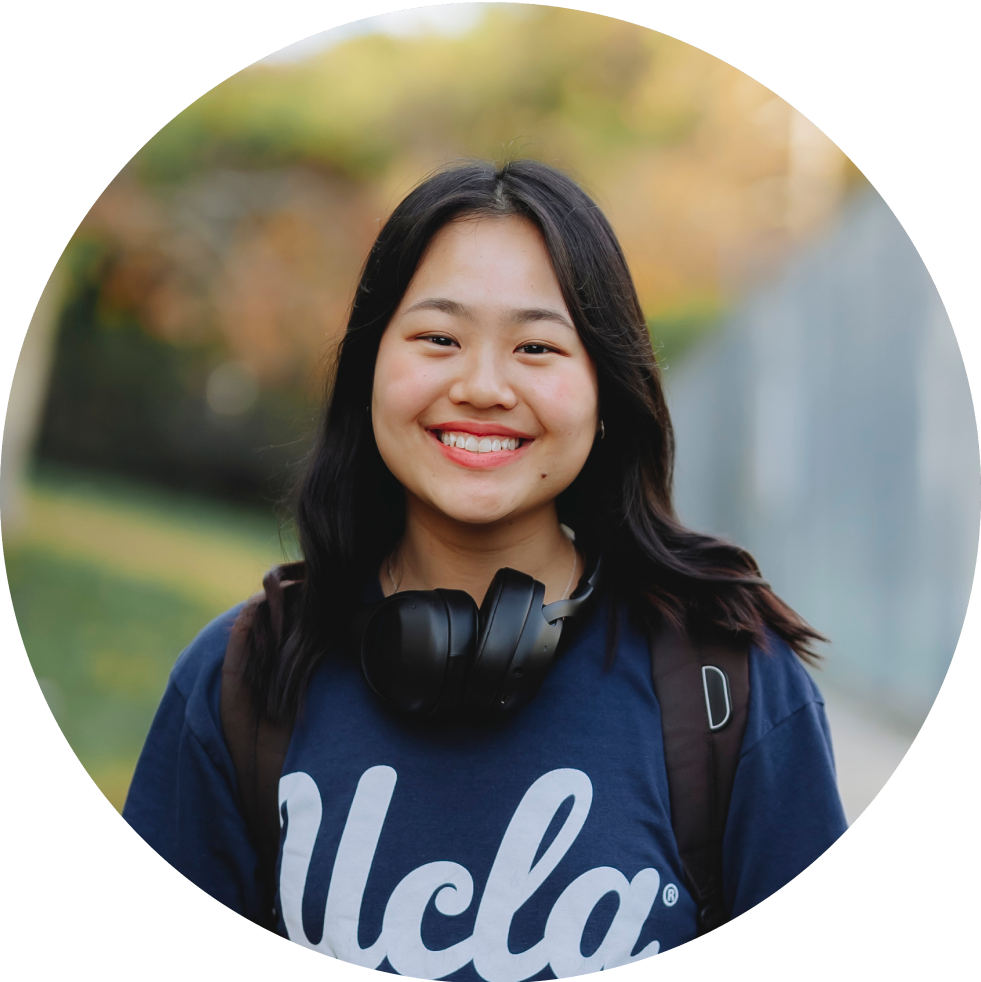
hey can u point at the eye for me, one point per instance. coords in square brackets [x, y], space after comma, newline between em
[535, 348]
[441, 339]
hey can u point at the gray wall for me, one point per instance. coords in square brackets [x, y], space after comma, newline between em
[828, 427]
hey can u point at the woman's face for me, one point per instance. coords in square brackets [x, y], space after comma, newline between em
[485, 401]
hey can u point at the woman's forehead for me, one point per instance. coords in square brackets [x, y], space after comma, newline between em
[481, 261]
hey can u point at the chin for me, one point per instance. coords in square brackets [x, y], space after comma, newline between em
[475, 516]
[467, 508]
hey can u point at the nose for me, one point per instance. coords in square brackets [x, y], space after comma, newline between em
[482, 382]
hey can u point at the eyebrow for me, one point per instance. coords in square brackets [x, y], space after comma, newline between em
[529, 315]
[523, 315]
[446, 306]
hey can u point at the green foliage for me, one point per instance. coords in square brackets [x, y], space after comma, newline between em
[567, 81]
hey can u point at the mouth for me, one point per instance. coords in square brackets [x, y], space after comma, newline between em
[483, 449]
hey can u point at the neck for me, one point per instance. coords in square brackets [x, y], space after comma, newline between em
[439, 552]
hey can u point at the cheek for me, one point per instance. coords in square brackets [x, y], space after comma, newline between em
[568, 408]
[402, 390]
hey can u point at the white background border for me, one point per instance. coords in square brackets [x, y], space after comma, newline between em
[894, 84]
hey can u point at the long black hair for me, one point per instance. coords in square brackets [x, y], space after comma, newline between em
[350, 510]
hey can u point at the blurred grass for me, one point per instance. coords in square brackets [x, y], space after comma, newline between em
[110, 580]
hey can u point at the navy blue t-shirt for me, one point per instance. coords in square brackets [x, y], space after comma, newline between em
[534, 848]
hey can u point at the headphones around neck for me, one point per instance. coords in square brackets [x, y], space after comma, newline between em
[434, 653]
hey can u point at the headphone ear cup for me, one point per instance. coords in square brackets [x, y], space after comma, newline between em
[515, 645]
[403, 651]
[462, 618]
[416, 649]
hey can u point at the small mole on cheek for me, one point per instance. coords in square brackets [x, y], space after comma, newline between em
[544, 475]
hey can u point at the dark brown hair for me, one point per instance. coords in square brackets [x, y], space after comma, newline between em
[350, 509]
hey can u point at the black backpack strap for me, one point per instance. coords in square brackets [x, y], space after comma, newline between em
[258, 748]
[703, 693]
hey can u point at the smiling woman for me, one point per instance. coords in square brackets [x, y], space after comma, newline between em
[559, 780]
[484, 407]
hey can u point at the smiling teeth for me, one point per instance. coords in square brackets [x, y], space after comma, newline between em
[467, 441]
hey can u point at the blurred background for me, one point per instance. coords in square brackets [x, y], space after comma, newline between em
[169, 382]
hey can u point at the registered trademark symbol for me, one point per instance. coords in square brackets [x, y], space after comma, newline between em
[670, 895]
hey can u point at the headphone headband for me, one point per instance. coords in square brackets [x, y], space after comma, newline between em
[583, 593]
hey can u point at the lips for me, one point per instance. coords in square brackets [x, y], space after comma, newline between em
[478, 429]
[474, 444]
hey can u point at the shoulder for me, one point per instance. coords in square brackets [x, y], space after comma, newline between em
[196, 675]
[183, 797]
[785, 809]
[780, 688]
[205, 652]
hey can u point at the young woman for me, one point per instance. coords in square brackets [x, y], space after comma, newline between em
[496, 403]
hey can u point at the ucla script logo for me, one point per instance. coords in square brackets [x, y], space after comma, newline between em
[514, 877]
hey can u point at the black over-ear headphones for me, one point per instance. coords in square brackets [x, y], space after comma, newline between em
[433, 653]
